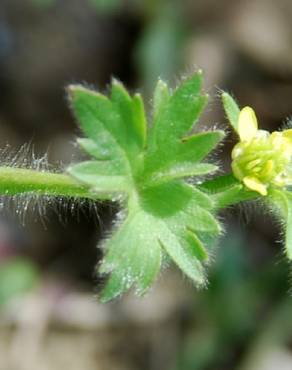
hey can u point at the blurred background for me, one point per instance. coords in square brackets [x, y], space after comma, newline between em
[50, 317]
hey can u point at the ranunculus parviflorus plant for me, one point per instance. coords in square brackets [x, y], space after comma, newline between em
[156, 172]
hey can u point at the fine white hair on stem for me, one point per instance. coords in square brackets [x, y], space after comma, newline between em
[41, 208]
[38, 205]
[24, 157]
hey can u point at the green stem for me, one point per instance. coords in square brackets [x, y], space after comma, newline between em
[20, 180]
[226, 191]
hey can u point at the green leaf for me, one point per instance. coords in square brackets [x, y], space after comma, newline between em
[163, 214]
[283, 201]
[231, 109]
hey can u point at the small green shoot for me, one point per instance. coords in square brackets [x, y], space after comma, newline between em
[157, 172]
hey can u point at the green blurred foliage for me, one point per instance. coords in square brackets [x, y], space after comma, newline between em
[17, 275]
[160, 47]
[159, 50]
[106, 5]
[43, 3]
[226, 316]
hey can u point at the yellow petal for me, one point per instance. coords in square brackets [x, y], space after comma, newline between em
[247, 124]
[268, 168]
[254, 184]
[252, 164]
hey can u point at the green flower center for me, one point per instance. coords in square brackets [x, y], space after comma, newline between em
[266, 158]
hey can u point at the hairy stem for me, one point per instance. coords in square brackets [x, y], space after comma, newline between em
[20, 180]
[224, 190]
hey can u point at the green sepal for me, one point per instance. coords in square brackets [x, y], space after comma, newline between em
[231, 109]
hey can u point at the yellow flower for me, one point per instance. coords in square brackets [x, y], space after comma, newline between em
[261, 159]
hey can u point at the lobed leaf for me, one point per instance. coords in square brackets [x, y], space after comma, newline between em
[164, 214]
